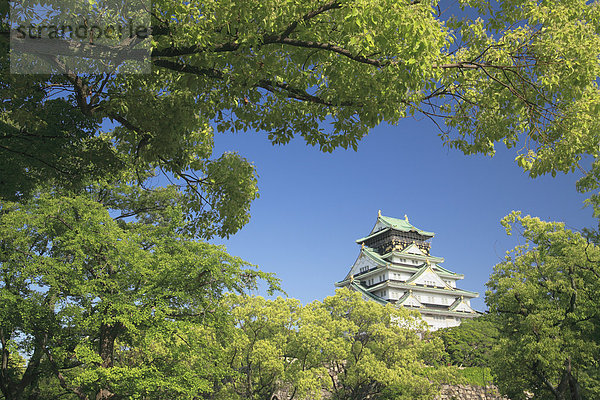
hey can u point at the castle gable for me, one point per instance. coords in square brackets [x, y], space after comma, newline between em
[427, 277]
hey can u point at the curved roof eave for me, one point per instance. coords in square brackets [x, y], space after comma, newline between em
[397, 224]
[361, 289]
[403, 225]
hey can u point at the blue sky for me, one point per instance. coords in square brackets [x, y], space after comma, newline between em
[313, 206]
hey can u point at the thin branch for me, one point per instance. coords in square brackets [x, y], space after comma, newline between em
[298, 94]
[61, 377]
[333, 48]
[233, 46]
[310, 15]
[271, 86]
[35, 158]
[190, 69]
[138, 211]
[544, 379]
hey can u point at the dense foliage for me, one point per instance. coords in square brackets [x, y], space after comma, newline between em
[470, 344]
[341, 348]
[545, 296]
[521, 72]
[93, 303]
[105, 290]
[477, 376]
[106, 311]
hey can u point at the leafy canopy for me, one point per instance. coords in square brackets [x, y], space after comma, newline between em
[520, 72]
[341, 348]
[545, 296]
[96, 303]
[470, 344]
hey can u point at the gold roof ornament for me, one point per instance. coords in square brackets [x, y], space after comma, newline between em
[362, 245]
[379, 213]
[351, 278]
[428, 262]
[406, 217]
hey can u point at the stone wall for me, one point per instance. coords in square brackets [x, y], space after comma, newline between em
[469, 392]
[448, 392]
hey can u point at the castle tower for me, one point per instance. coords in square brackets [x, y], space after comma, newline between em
[395, 266]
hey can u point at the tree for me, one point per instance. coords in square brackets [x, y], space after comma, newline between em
[341, 348]
[521, 72]
[470, 344]
[101, 305]
[268, 353]
[546, 295]
[371, 351]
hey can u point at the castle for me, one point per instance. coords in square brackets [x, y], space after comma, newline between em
[395, 266]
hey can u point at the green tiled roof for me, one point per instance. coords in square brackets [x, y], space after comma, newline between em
[424, 309]
[456, 303]
[373, 235]
[403, 225]
[448, 312]
[358, 287]
[442, 269]
[397, 224]
[454, 291]
[401, 268]
[372, 254]
[408, 286]
[432, 259]
[404, 297]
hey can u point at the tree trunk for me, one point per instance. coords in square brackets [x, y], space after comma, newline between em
[108, 335]
[568, 388]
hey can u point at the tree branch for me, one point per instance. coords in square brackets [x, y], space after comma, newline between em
[544, 379]
[66, 173]
[190, 69]
[233, 46]
[310, 15]
[61, 377]
[333, 48]
[298, 94]
[290, 91]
